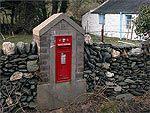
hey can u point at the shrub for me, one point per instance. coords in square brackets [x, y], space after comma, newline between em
[142, 22]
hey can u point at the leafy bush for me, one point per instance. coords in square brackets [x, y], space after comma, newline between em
[142, 22]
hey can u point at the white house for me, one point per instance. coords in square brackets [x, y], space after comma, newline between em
[116, 16]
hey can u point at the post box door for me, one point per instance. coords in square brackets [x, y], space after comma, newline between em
[63, 58]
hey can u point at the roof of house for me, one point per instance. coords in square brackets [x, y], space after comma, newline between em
[117, 6]
[53, 20]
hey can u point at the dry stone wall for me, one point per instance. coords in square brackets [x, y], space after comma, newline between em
[18, 80]
[125, 70]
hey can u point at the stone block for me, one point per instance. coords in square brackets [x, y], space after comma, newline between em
[44, 68]
[80, 69]
[55, 96]
[79, 75]
[32, 66]
[21, 47]
[43, 62]
[43, 38]
[43, 44]
[43, 50]
[44, 56]
[8, 48]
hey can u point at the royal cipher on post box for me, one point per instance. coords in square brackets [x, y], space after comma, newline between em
[61, 58]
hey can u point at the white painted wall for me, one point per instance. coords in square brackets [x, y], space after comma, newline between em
[112, 25]
[93, 25]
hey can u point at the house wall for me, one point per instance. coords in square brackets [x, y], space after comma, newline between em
[91, 22]
[112, 25]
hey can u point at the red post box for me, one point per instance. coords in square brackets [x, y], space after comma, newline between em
[63, 58]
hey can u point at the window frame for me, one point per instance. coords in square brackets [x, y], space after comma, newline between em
[128, 20]
[101, 18]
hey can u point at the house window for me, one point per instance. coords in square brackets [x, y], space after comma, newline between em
[102, 19]
[128, 21]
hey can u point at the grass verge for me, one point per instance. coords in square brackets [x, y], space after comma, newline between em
[29, 38]
[97, 102]
[16, 39]
[114, 40]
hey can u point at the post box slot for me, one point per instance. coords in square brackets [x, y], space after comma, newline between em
[64, 44]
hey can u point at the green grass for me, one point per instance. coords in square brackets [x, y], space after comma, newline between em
[113, 40]
[16, 39]
[109, 108]
[29, 38]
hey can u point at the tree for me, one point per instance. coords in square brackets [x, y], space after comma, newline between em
[79, 7]
[142, 22]
[54, 6]
[24, 15]
[11, 6]
[27, 20]
[63, 6]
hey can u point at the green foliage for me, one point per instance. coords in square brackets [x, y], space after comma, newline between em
[143, 21]
[30, 14]
[22, 16]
